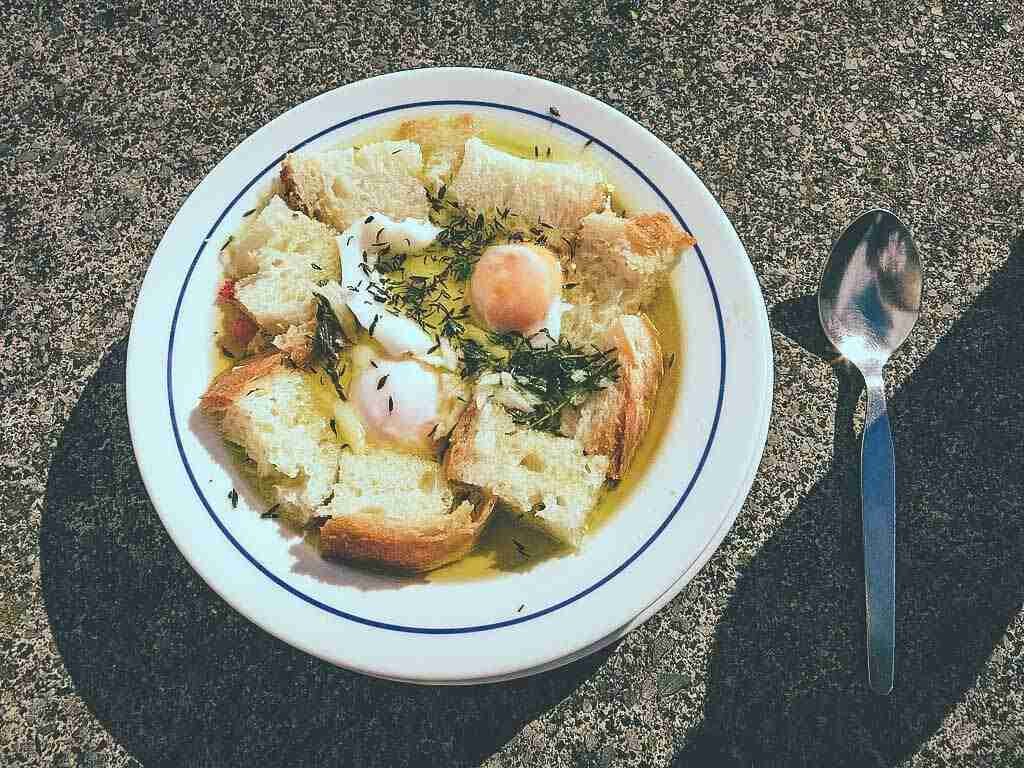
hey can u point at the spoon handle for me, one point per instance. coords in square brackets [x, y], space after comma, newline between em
[878, 499]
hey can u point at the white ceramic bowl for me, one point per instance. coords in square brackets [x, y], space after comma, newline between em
[498, 628]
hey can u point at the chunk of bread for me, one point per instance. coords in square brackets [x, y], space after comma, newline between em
[234, 382]
[612, 422]
[620, 264]
[398, 510]
[339, 186]
[280, 228]
[442, 139]
[280, 293]
[545, 478]
[558, 194]
[270, 410]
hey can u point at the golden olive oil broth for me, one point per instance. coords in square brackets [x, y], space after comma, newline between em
[508, 544]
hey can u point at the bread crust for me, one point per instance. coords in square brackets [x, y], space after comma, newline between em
[407, 547]
[442, 140]
[650, 233]
[614, 422]
[231, 384]
[301, 189]
[440, 132]
[460, 441]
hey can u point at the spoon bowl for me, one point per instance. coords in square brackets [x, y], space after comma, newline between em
[870, 294]
[868, 302]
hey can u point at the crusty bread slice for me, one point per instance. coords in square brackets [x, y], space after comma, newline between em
[558, 194]
[231, 384]
[270, 410]
[619, 266]
[613, 421]
[397, 509]
[392, 485]
[339, 186]
[442, 139]
[635, 254]
[280, 228]
[545, 478]
[280, 293]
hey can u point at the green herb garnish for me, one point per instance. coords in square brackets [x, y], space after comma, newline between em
[475, 358]
[558, 375]
[328, 340]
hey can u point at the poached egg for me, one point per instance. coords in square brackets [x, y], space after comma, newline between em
[398, 401]
[518, 287]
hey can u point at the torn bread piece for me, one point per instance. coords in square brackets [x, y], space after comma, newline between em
[397, 509]
[339, 186]
[279, 294]
[613, 421]
[620, 264]
[270, 411]
[280, 228]
[545, 478]
[557, 194]
[442, 139]
[275, 259]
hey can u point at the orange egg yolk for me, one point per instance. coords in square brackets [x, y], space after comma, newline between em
[513, 286]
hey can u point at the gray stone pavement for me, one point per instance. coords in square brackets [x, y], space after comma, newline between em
[797, 115]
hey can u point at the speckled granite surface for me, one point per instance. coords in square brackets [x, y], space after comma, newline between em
[797, 115]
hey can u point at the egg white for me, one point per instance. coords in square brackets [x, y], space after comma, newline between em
[358, 247]
[552, 323]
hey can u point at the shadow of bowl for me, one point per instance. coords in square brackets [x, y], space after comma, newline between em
[179, 678]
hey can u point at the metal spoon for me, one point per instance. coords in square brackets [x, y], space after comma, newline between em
[868, 302]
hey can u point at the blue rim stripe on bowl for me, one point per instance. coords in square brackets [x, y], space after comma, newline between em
[482, 627]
